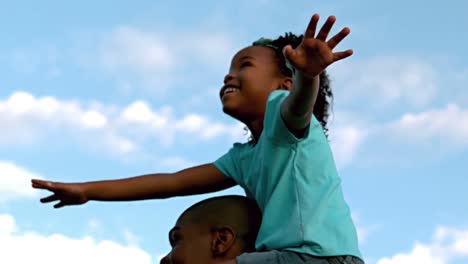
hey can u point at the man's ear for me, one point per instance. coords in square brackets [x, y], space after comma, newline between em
[286, 84]
[223, 239]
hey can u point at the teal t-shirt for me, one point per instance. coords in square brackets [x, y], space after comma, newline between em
[296, 185]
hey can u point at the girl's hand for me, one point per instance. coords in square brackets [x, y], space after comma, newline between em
[65, 193]
[314, 54]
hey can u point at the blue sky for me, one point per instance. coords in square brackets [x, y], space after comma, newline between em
[114, 89]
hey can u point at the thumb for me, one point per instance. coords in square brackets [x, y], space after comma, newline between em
[288, 51]
[59, 205]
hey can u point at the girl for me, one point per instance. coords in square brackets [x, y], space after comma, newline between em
[287, 166]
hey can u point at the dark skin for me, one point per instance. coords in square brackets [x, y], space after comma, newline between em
[196, 180]
[254, 71]
[201, 243]
[310, 59]
[214, 230]
[255, 74]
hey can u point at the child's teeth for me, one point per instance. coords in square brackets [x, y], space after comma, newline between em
[230, 90]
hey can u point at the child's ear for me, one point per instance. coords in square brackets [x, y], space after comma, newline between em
[286, 84]
[223, 239]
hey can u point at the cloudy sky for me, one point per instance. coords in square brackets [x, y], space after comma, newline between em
[109, 89]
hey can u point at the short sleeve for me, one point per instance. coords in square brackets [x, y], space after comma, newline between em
[274, 125]
[228, 164]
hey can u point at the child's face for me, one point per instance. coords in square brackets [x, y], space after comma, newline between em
[190, 243]
[253, 75]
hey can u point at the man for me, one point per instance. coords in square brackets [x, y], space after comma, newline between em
[214, 231]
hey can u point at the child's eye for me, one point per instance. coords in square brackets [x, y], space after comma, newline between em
[245, 64]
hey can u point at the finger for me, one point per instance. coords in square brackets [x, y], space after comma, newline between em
[40, 184]
[37, 186]
[59, 205]
[310, 31]
[342, 55]
[333, 42]
[37, 181]
[325, 30]
[49, 199]
[288, 52]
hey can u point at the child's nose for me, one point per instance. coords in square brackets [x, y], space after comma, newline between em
[228, 77]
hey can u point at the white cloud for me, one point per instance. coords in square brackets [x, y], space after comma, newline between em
[397, 84]
[399, 140]
[57, 248]
[152, 52]
[387, 80]
[418, 135]
[15, 182]
[30, 119]
[124, 130]
[347, 134]
[129, 48]
[131, 238]
[363, 231]
[94, 226]
[154, 60]
[420, 254]
[207, 129]
[345, 142]
[164, 126]
[137, 58]
[93, 119]
[449, 125]
[213, 49]
[141, 113]
[122, 145]
[448, 244]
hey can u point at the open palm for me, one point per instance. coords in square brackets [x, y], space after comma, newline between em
[315, 53]
[65, 193]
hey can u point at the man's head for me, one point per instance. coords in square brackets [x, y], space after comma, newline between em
[214, 230]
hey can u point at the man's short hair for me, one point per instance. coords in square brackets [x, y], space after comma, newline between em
[242, 214]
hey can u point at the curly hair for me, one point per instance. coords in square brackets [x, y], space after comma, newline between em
[324, 99]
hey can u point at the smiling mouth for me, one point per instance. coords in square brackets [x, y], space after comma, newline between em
[228, 90]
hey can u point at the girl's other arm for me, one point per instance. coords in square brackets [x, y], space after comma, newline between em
[298, 107]
[196, 180]
[310, 59]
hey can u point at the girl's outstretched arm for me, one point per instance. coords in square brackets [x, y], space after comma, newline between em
[196, 180]
[310, 59]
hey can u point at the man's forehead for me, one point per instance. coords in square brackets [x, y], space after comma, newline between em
[185, 222]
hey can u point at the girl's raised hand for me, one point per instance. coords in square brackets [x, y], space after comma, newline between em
[315, 53]
[65, 193]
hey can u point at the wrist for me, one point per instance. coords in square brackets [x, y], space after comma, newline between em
[303, 77]
[305, 80]
[86, 191]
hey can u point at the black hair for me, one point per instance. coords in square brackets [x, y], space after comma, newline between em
[239, 212]
[324, 99]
